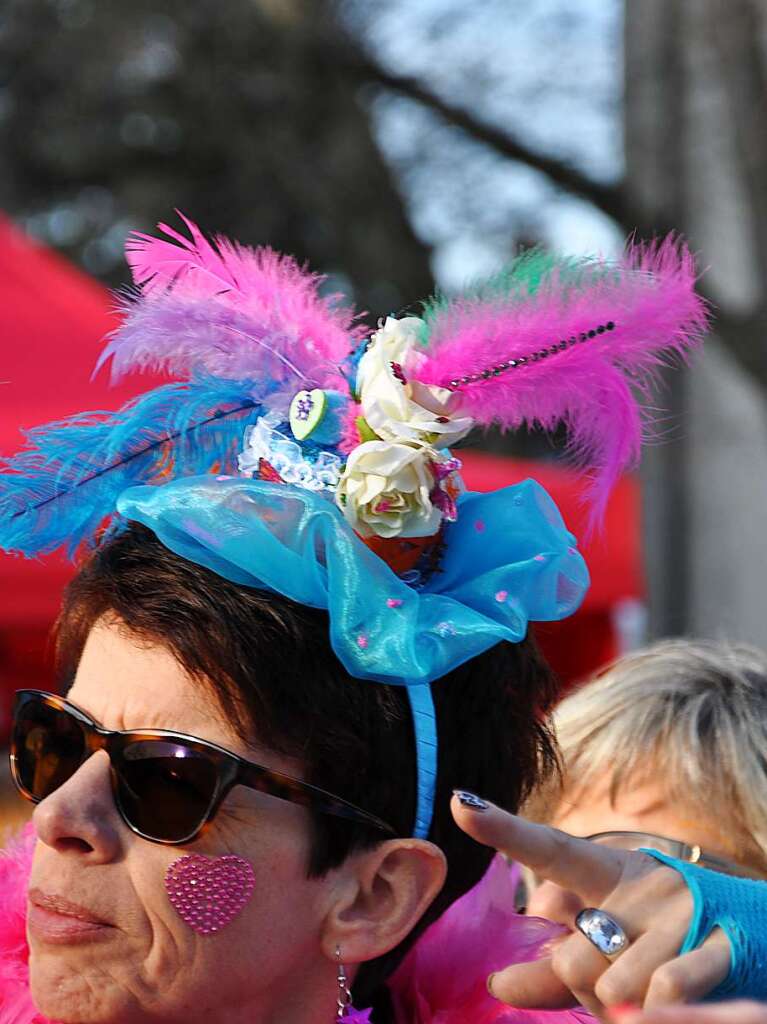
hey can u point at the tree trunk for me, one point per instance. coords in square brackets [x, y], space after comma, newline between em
[696, 152]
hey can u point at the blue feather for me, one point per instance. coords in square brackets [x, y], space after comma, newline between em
[59, 490]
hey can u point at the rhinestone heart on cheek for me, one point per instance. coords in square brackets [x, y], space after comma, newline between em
[208, 892]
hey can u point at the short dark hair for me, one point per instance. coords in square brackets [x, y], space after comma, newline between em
[269, 664]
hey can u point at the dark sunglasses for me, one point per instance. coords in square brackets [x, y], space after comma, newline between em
[167, 786]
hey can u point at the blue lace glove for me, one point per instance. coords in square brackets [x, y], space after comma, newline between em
[739, 907]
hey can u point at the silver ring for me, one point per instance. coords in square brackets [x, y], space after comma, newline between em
[602, 931]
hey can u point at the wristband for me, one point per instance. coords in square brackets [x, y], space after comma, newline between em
[739, 907]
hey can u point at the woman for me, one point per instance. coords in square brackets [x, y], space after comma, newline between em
[666, 749]
[243, 801]
[151, 641]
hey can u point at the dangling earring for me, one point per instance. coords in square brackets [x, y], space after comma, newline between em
[344, 998]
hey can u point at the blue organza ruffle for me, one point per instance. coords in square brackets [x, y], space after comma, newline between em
[508, 560]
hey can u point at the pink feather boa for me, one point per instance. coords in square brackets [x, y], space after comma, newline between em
[16, 1006]
[441, 981]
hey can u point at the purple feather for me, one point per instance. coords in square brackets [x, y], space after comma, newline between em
[574, 342]
[229, 310]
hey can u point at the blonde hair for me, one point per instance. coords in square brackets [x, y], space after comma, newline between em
[690, 713]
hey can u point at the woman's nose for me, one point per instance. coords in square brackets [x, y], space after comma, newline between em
[80, 817]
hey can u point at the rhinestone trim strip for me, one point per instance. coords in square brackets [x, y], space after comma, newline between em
[534, 357]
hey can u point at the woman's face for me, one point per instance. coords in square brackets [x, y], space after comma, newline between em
[147, 964]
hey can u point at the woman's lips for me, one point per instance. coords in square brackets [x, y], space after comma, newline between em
[59, 920]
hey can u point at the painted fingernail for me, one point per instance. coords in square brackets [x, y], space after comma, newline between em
[620, 1012]
[470, 800]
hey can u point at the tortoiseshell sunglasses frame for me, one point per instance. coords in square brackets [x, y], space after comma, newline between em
[231, 769]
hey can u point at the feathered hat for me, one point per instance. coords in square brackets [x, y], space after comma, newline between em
[300, 454]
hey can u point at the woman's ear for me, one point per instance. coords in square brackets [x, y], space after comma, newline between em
[379, 896]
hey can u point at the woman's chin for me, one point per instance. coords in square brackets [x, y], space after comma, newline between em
[69, 995]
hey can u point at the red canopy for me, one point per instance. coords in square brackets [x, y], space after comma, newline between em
[53, 319]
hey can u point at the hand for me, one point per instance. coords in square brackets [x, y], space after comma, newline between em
[650, 901]
[740, 1012]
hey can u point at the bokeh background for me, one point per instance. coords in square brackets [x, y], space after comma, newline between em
[397, 145]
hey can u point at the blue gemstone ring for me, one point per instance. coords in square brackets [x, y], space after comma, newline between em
[602, 931]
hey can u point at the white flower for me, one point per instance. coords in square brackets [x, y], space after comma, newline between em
[397, 407]
[385, 490]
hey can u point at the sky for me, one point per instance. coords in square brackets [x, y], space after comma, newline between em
[548, 71]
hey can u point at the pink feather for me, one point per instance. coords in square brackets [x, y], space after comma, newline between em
[442, 980]
[231, 311]
[590, 386]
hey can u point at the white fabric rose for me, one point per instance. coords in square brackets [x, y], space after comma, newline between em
[385, 490]
[409, 411]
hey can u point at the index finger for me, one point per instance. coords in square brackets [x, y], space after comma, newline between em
[589, 870]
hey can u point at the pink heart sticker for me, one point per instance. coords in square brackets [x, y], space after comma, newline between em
[208, 892]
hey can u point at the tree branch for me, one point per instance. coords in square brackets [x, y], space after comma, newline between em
[613, 200]
[610, 199]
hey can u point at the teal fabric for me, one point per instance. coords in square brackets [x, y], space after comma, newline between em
[506, 561]
[739, 907]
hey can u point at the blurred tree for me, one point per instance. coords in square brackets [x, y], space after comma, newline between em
[255, 116]
[696, 146]
[112, 114]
